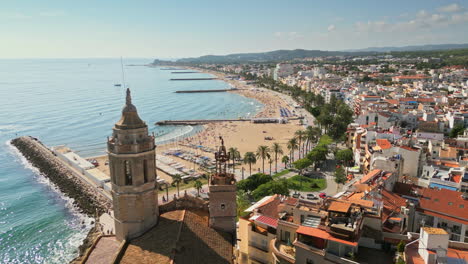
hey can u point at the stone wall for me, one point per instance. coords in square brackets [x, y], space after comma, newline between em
[85, 196]
[182, 203]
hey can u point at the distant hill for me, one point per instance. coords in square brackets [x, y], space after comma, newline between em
[413, 48]
[277, 55]
[285, 55]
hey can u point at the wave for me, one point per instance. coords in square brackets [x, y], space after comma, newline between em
[61, 251]
[175, 135]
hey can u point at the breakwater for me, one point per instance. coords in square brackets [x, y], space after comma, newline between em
[196, 122]
[207, 91]
[192, 79]
[85, 196]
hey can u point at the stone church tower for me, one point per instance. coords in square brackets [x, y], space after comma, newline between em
[132, 168]
[222, 185]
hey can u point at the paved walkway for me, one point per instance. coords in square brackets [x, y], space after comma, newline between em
[104, 251]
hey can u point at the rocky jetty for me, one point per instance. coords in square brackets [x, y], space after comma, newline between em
[85, 197]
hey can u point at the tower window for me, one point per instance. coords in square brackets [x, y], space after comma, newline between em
[128, 173]
[223, 206]
[145, 171]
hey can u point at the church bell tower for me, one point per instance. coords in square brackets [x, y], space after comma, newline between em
[132, 165]
[222, 186]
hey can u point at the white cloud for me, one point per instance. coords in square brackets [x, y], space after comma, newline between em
[451, 8]
[331, 28]
[422, 20]
[278, 34]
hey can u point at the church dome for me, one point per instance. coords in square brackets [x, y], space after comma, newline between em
[130, 118]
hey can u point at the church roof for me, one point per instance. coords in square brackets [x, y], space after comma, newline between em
[130, 118]
[181, 236]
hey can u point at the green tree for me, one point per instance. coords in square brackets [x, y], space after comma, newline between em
[285, 160]
[345, 156]
[401, 246]
[302, 164]
[312, 134]
[250, 158]
[340, 176]
[253, 182]
[242, 202]
[270, 188]
[235, 154]
[458, 129]
[318, 154]
[263, 152]
[299, 134]
[176, 179]
[292, 146]
[198, 185]
[276, 148]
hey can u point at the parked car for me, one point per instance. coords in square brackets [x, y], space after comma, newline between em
[296, 195]
[322, 195]
[311, 196]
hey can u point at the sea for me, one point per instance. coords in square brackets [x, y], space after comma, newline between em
[75, 102]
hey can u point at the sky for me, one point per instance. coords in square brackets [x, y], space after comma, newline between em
[183, 28]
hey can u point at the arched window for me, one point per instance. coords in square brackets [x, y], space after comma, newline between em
[128, 173]
[145, 171]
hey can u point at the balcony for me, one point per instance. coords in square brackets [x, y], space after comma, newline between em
[312, 249]
[280, 250]
[258, 246]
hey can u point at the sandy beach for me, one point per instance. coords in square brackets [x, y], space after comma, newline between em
[245, 136]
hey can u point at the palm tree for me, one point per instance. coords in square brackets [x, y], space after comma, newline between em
[276, 148]
[270, 161]
[292, 145]
[198, 185]
[299, 135]
[249, 158]
[263, 152]
[177, 179]
[312, 134]
[285, 160]
[235, 154]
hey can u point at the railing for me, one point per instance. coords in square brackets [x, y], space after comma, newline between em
[448, 183]
[315, 250]
[338, 259]
[257, 259]
[280, 254]
[258, 246]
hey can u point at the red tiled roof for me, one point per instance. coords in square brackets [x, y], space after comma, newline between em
[370, 175]
[291, 200]
[412, 77]
[392, 101]
[383, 143]
[315, 232]
[267, 221]
[270, 207]
[339, 207]
[444, 202]
[408, 148]
[392, 203]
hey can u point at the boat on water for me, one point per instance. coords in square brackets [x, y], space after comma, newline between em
[117, 84]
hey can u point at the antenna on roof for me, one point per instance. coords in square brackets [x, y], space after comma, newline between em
[123, 74]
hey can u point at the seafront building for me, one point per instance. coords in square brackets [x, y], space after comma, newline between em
[408, 182]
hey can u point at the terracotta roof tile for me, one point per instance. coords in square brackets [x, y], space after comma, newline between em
[383, 143]
[445, 202]
[339, 207]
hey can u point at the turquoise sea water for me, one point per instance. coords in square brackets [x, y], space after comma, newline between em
[75, 102]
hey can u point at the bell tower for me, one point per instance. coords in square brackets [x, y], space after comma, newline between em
[132, 165]
[222, 185]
